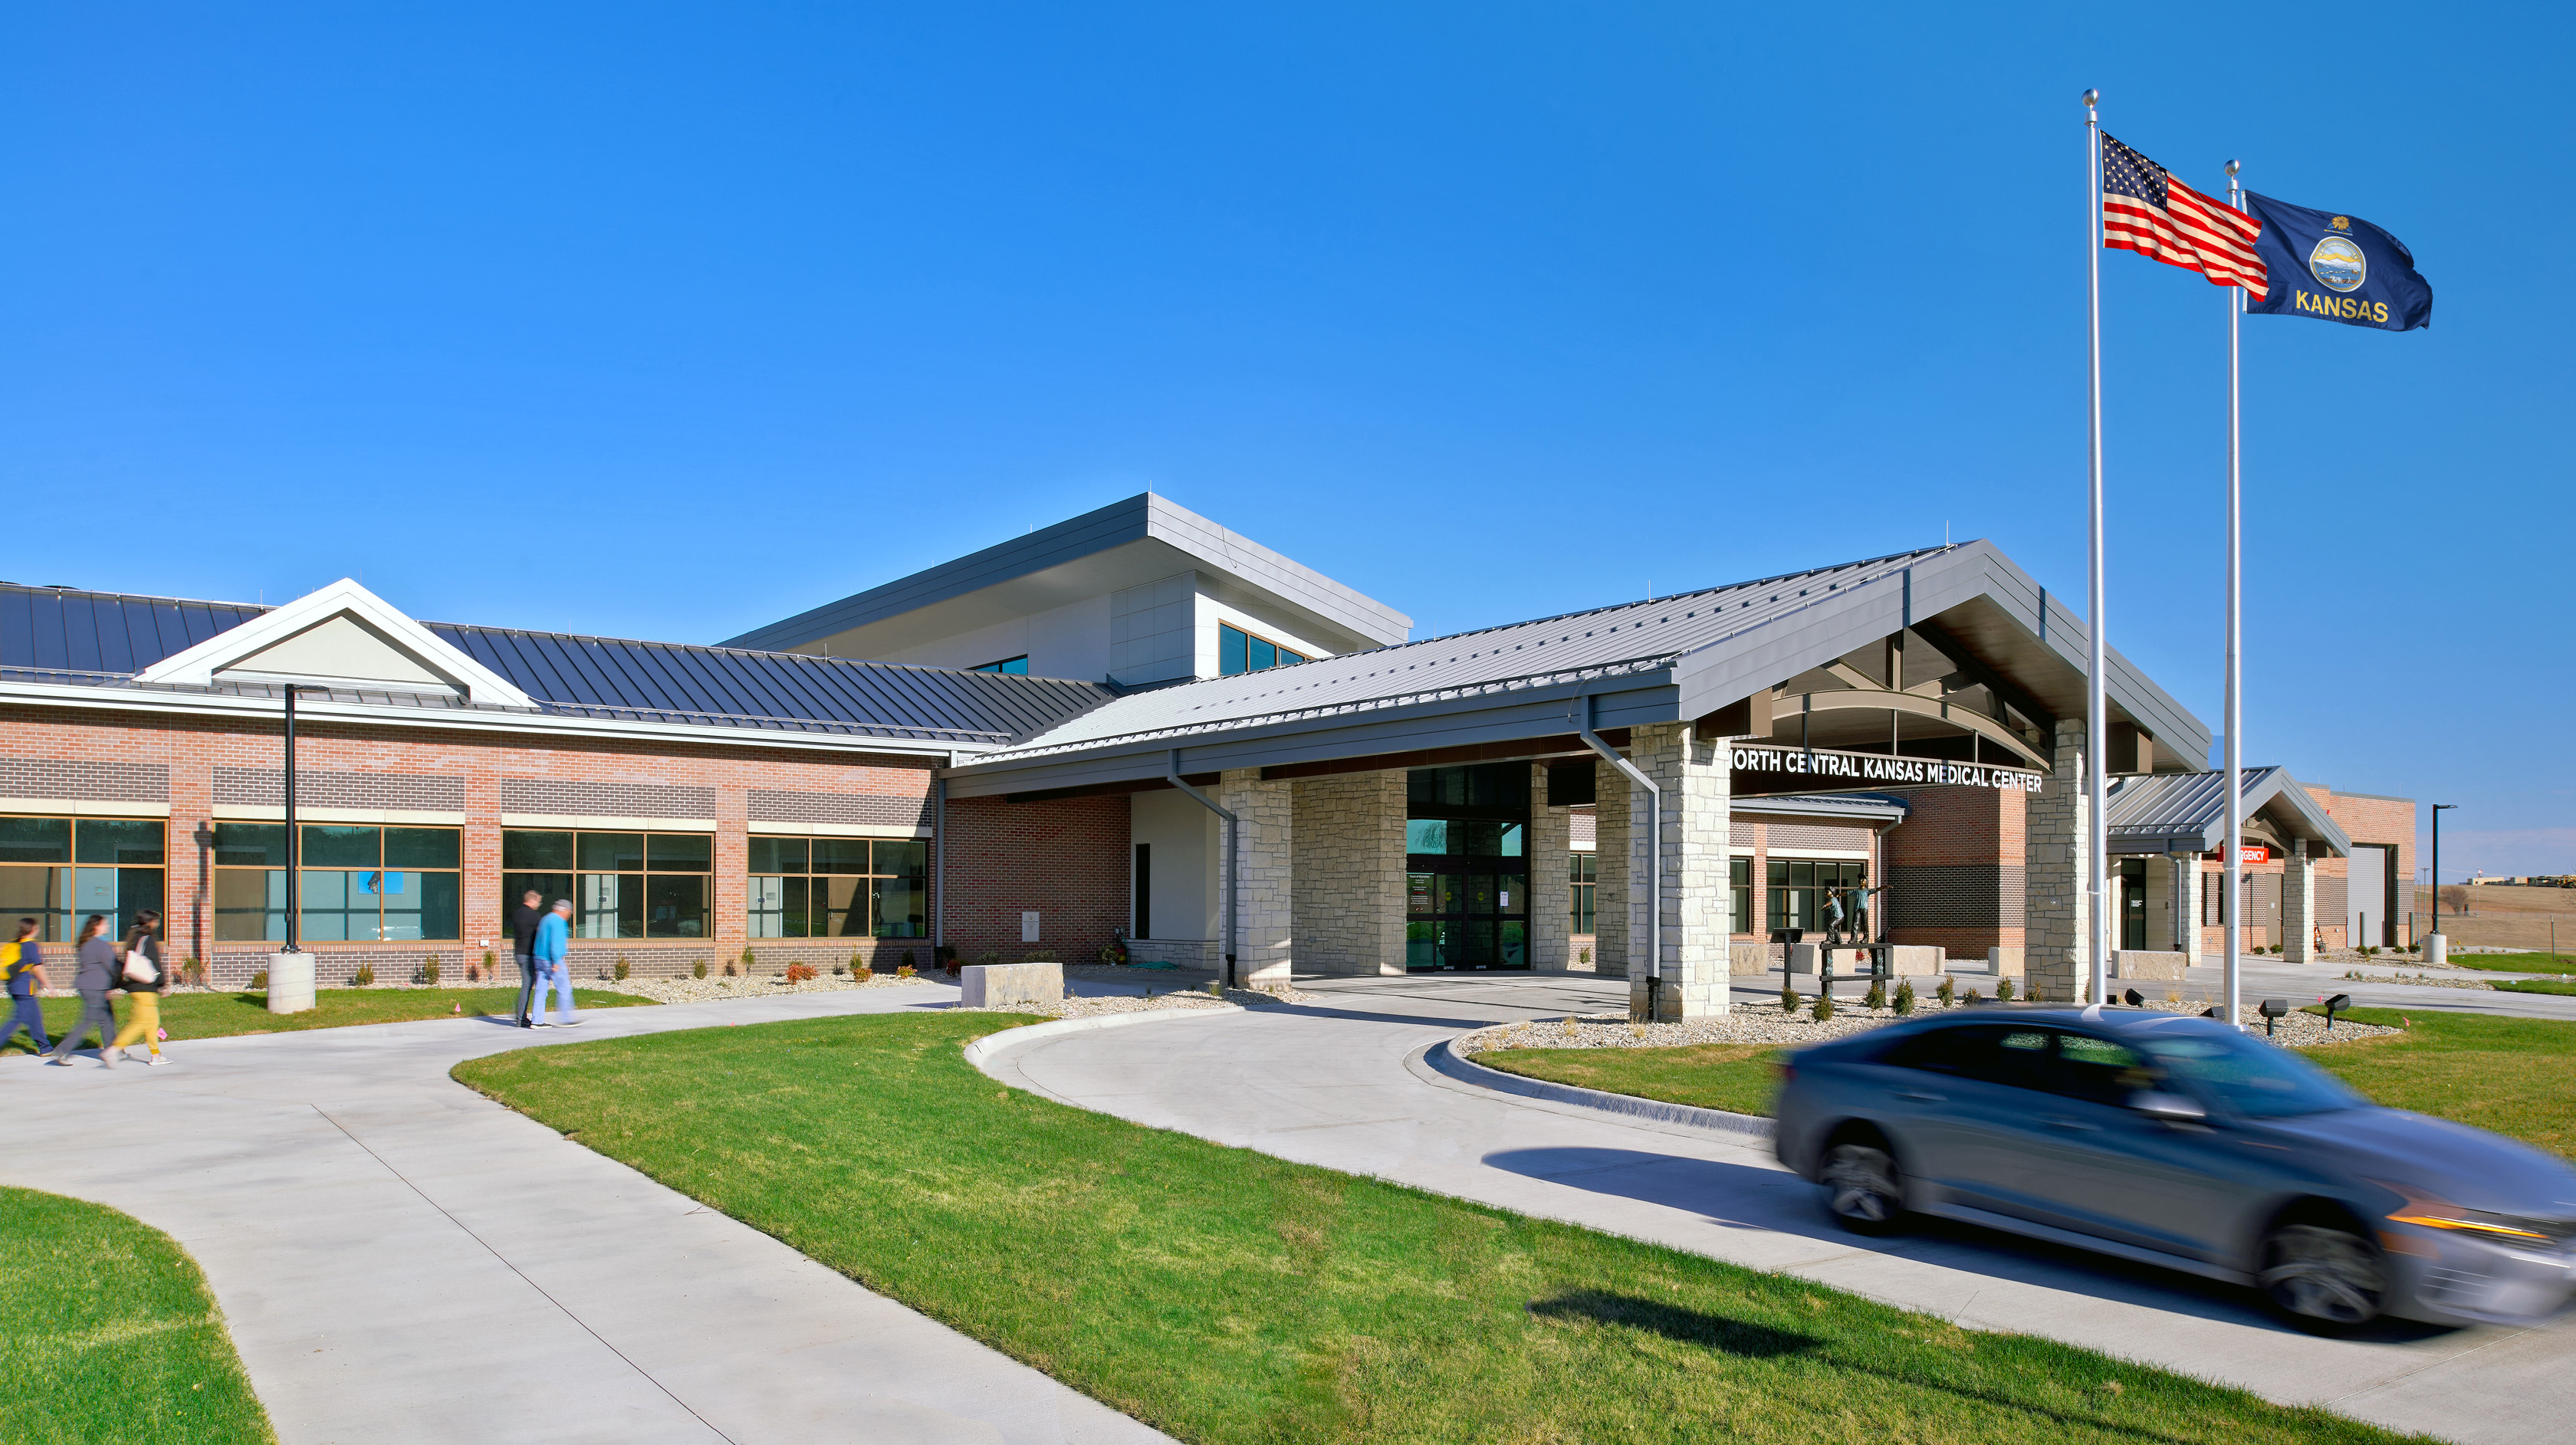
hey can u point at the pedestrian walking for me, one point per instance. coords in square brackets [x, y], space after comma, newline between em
[94, 975]
[144, 975]
[22, 963]
[523, 942]
[554, 937]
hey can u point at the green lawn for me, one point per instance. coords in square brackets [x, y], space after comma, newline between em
[107, 1333]
[2504, 1074]
[2536, 985]
[1223, 1295]
[2512, 962]
[220, 1015]
[1735, 1077]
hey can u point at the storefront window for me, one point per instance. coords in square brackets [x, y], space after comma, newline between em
[59, 871]
[1739, 879]
[1582, 872]
[1802, 893]
[1240, 651]
[360, 883]
[622, 885]
[838, 888]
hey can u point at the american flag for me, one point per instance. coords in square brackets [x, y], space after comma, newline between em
[2144, 209]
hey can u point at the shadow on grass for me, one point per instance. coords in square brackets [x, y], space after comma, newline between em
[1688, 1326]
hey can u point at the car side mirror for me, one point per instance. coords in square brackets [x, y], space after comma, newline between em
[2170, 1108]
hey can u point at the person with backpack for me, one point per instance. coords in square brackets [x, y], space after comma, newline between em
[143, 977]
[94, 975]
[22, 963]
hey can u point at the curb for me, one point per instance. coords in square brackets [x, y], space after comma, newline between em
[1443, 1060]
[991, 1044]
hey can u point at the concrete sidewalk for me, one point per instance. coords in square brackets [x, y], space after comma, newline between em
[403, 1260]
[1338, 1083]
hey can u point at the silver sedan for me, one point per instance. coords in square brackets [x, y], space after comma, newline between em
[2175, 1141]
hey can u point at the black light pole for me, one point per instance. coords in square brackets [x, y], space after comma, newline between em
[2438, 810]
[294, 883]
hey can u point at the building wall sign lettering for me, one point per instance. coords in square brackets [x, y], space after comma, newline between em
[1874, 768]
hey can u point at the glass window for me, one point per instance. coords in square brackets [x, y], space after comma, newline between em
[1802, 890]
[2089, 1067]
[2249, 1077]
[1238, 651]
[1996, 1053]
[358, 884]
[622, 885]
[1582, 874]
[1016, 666]
[1739, 880]
[838, 888]
[118, 872]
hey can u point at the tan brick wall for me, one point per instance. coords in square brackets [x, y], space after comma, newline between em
[1347, 846]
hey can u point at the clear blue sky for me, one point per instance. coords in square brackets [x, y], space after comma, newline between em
[667, 321]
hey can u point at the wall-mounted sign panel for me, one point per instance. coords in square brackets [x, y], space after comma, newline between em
[1831, 767]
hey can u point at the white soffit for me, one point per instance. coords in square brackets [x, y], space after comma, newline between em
[342, 634]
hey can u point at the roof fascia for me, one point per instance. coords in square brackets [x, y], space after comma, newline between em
[1885, 812]
[1628, 700]
[2281, 788]
[1722, 672]
[196, 666]
[233, 706]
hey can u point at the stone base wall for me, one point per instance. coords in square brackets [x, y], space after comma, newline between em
[1551, 942]
[1265, 939]
[1348, 845]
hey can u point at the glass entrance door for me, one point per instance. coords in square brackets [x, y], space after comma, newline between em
[1467, 868]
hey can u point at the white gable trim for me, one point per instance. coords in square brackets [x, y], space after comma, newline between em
[197, 666]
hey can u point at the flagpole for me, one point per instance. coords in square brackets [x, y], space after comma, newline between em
[2235, 721]
[2095, 838]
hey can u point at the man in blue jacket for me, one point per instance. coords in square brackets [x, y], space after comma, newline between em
[554, 937]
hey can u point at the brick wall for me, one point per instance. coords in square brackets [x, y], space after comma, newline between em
[1954, 869]
[200, 764]
[1066, 859]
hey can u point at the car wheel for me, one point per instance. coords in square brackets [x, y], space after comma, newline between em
[1861, 1187]
[2322, 1277]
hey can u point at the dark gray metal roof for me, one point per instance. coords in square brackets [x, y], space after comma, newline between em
[1854, 807]
[2187, 812]
[64, 637]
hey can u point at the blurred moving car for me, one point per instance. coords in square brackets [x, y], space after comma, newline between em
[2176, 1141]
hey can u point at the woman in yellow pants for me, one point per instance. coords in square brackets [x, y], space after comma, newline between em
[143, 978]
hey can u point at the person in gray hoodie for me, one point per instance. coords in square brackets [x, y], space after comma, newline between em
[95, 977]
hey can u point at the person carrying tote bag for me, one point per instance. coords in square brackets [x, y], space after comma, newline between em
[143, 979]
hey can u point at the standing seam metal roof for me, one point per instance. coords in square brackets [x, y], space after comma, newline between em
[60, 636]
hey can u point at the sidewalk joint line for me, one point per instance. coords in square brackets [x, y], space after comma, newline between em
[513, 1268]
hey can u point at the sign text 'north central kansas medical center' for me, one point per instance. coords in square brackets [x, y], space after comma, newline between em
[1873, 768]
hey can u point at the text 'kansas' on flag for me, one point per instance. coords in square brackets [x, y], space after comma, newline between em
[2144, 209]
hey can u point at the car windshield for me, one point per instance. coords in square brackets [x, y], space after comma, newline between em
[2253, 1079]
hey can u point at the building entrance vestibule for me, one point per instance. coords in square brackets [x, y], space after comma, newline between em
[1466, 886]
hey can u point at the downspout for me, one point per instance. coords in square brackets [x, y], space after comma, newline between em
[1233, 839]
[939, 863]
[1587, 707]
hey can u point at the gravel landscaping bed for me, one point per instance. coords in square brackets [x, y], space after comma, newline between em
[2420, 980]
[715, 986]
[1756, 1025]
[1179, 998]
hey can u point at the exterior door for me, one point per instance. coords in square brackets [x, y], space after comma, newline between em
[2104, 1169]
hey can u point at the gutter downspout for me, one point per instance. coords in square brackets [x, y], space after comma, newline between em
[939, 863]
[1233, 839]
[1587, 707]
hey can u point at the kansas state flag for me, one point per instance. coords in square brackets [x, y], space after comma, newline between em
[2336, 268]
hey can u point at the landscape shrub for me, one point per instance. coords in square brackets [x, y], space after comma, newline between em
[365, 975]
[1904, 997]
[259, 981]
[1586, 956]
[621, 968]
[840, 969]
[1877, 995]
[1973, 997]
[487, 967]
[2004, 989]
[989, 957]
[699, 969]
[748, 963]
[1824, 1008]
[729, 968]
[428, 973]
[1038, 955]
[1949, 990]
[801, 972]
[1788, 999]
[903, 970]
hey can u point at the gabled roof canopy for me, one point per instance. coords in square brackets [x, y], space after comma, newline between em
[2187, 813]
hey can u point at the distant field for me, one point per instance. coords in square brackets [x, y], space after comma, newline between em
[2520, 962]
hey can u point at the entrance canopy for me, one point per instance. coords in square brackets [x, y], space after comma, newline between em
[1949, 652]
[2186, 813]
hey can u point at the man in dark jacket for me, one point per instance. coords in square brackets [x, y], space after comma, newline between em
[523, 943]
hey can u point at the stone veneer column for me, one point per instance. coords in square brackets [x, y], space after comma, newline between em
[1691, 891]
[2299, 903]
[2186, 895]
[2056, 924]
[1551, 898]
[1264, 877]
[1347, 885]
[1610, 872]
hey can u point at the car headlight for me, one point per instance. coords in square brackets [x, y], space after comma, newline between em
[2432, 1213]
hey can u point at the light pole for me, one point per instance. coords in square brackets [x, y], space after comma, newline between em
[2437, 949]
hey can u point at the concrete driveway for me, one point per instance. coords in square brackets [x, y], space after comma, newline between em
[1337, 1083]
[403, 1260]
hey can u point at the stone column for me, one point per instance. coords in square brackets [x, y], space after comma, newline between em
[1264, 917]
[2186, 894]
[2299, 903]
[1610, 871]
[1551, 893]
[1347, 893]
[1691, 888]
[2057, 926]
